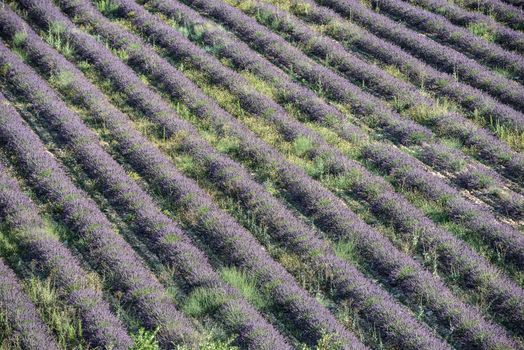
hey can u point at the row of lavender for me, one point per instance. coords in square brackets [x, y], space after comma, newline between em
[442, 30]
[512, 16]
[502, 35]
[505, 13]
[226, 237]
[161, 74]
[19, 311]
[291, 231]
[440, 57]
[464, 172]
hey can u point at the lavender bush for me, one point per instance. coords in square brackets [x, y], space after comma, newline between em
[21, 314]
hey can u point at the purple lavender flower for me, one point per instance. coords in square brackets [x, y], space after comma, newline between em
[21, 314]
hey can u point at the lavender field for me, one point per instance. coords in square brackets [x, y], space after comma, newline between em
[261, 174]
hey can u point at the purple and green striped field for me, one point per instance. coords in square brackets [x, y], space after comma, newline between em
[261, 174]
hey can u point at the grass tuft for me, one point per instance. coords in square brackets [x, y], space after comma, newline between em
[483, 31]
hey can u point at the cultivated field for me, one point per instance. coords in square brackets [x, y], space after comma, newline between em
[261, 174]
